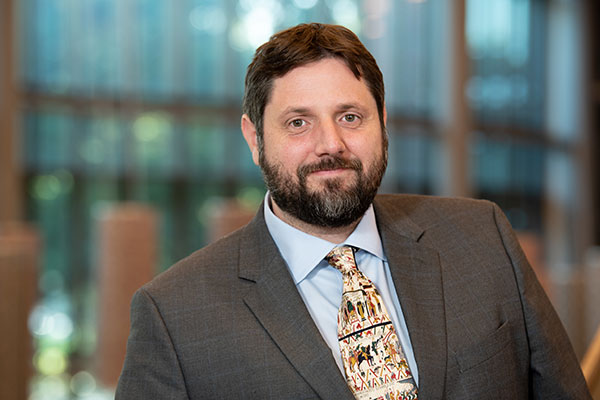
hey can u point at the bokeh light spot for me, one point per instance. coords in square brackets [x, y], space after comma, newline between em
[345, 12]
[54, 387]
[44, 322]
[46, 187]
[51, 361]
[305, 4]
[209, 19]
[83, 383]
[151, 126]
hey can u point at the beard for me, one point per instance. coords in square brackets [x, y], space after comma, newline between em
[335, 204]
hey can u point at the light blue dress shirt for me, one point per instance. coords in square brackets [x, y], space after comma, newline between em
[320, 285]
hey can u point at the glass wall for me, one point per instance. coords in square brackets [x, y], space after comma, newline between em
[139, 100]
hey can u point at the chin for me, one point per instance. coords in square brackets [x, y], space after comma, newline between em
[330, 185]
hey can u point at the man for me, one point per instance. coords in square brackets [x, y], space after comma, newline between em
[445, 304]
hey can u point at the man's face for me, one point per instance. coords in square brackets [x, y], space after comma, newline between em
[325, 150]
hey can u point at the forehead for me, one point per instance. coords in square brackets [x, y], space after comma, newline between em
[326, 80]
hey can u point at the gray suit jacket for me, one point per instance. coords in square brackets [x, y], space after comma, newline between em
[228, 323]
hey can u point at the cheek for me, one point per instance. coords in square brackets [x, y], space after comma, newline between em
[367, 150]
[285, 156]
[292, 153]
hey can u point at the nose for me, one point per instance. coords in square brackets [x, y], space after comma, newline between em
[329, 140]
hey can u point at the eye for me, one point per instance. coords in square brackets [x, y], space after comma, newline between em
[297, 123]
[350, 118]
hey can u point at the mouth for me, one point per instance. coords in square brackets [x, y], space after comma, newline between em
[331, 172]
[330, 167]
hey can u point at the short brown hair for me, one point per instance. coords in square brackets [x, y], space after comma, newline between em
[301, 45]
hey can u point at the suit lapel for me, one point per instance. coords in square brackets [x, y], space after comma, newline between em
[277, 305]
[417, 276]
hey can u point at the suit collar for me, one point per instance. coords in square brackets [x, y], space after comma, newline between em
[277, 305]
[417, 275]
[393, 217]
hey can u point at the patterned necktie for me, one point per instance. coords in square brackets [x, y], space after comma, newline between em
[373, 358]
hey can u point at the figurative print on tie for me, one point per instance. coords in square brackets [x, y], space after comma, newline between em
[374, 361]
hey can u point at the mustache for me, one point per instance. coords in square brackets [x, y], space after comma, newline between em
[329, 163]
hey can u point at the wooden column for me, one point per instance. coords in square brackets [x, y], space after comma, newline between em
[127, 259]
[10, 176]
[19, 259]
[455, 120]
[227, 216]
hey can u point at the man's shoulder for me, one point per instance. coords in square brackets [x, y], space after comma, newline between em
[418, 213]
[415, 204]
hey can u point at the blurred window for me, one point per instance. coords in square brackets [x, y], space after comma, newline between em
[140, 100]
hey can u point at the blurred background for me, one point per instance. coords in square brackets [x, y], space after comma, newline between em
[120, 150]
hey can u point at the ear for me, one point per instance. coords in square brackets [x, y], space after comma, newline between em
[249, 132]
[384, 115]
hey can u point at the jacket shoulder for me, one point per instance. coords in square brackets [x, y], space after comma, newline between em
[428, 211]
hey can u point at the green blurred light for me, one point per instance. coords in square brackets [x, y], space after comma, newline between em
[51, 361]
[51, 186]
[46, 187]
[151, 126]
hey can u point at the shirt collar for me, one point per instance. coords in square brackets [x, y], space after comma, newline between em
[303, 252]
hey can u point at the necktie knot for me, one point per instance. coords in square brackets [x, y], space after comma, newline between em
[342, 259]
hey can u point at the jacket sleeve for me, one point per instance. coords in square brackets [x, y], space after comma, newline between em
[554, 372]
[151, 369]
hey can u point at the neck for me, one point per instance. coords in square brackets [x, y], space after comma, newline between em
[333, 235]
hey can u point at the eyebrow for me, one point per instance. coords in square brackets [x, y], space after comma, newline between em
[305, 110]
[295, 110]
[348, 106]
